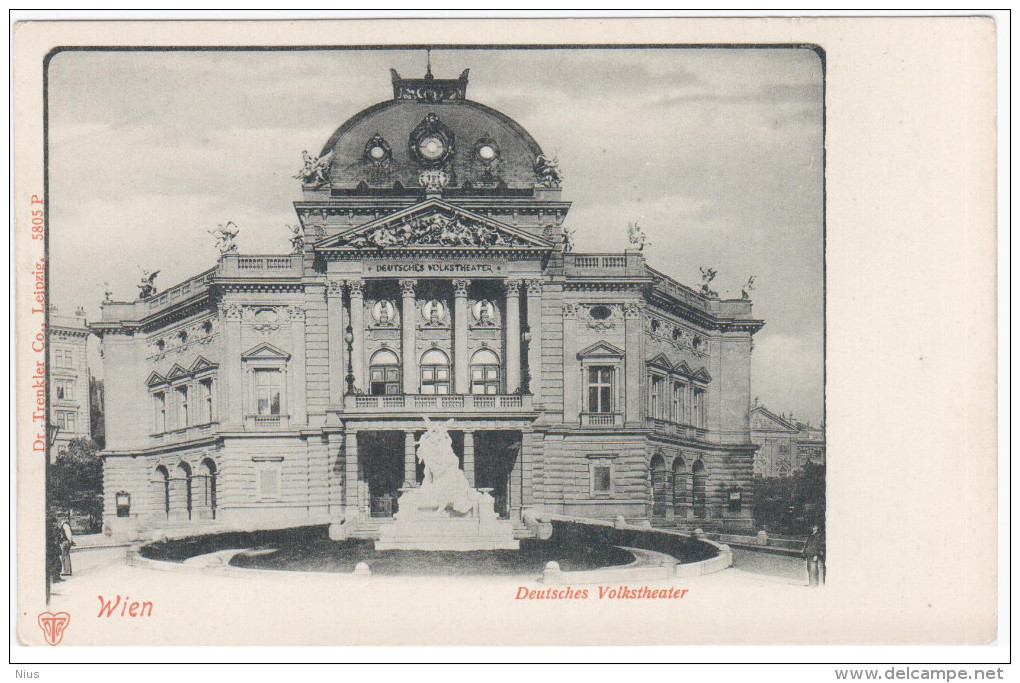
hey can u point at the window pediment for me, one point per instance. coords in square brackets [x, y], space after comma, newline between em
[601, 350]
[265, 351]
[155, 379]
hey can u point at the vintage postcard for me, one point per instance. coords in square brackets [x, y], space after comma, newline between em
[543, 332]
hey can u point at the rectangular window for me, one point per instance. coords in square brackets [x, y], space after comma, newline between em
[385, 380]
[733, 500]
[64, 389]
[267, 391]
[208, 413]
[182, 407]
[603, 478]
[159, 412]
[600, 389]
[65, 420]
[268, 476]
[656, 398]
[678, 401]
[699, 408]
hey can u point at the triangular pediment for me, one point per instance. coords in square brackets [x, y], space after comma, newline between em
[434, 224]
[701, 374]
[154, 379]
[265, 351]
[601, 349]
[684, 369]
[177, 371]
[202, 363]
[763, 419]
[660, 360]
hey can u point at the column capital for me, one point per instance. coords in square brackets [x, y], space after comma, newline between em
[407, 286]
[460, 286]
[512, 287]
[357, 287]
[632, 310]
[334, 287]
[232, 312]
[534, 287]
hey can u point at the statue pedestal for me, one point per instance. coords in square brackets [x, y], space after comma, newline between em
[419, 525]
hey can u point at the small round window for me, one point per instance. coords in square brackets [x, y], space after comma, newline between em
[487, 152]
[601, 313]
[378, 153]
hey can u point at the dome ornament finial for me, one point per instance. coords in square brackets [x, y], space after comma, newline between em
[429, 88]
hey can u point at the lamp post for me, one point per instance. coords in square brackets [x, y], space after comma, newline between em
[349, 339]
[526, 369]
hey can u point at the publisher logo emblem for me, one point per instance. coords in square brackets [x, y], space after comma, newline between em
[53, 625]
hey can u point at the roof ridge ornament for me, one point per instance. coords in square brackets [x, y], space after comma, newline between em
[430, 88]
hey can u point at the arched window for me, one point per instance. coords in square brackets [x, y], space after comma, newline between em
[435, 372]
[699, 484]
[484, 372]
[660, 486]
[206, 482]
[384, 371]
[161, 491]
[679, 488]
[181, 491]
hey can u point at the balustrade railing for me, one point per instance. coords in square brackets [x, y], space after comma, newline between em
[451, 402]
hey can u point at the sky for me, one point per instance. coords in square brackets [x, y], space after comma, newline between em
[716, 152]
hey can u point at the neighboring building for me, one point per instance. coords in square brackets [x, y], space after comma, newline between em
[785, 444]
[433, 277]
[69, 378]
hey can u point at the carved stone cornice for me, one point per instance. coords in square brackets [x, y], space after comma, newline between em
[632, 310]
[407, 286]
[460, 287]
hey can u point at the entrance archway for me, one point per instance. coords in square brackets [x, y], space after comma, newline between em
[498, 467]
[381, 456]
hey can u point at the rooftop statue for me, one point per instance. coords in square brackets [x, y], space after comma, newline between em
[226, 236]
[548, 171]
[297, 238]
[745, 293]
[636, 236]
[314, 170]
[707, 275]
[147, 287]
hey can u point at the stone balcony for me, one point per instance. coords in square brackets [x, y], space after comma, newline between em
[670, 428]
[455, 403]
[182, 434]
[602, 419]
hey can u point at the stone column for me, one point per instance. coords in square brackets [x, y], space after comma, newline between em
[297, 389]
[535, 327]
[462, 383]
[469, 456]
[633, 371]
[337, 348]
[233, 393]
[410, 462]
[357, 318]
[408, 323]
[513, 335]
[351, 474]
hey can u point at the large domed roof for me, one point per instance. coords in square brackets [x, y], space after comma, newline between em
[431, 133]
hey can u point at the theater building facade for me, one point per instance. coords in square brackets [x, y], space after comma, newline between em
[431, 277]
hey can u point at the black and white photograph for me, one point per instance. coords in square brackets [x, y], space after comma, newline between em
[424, 335]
